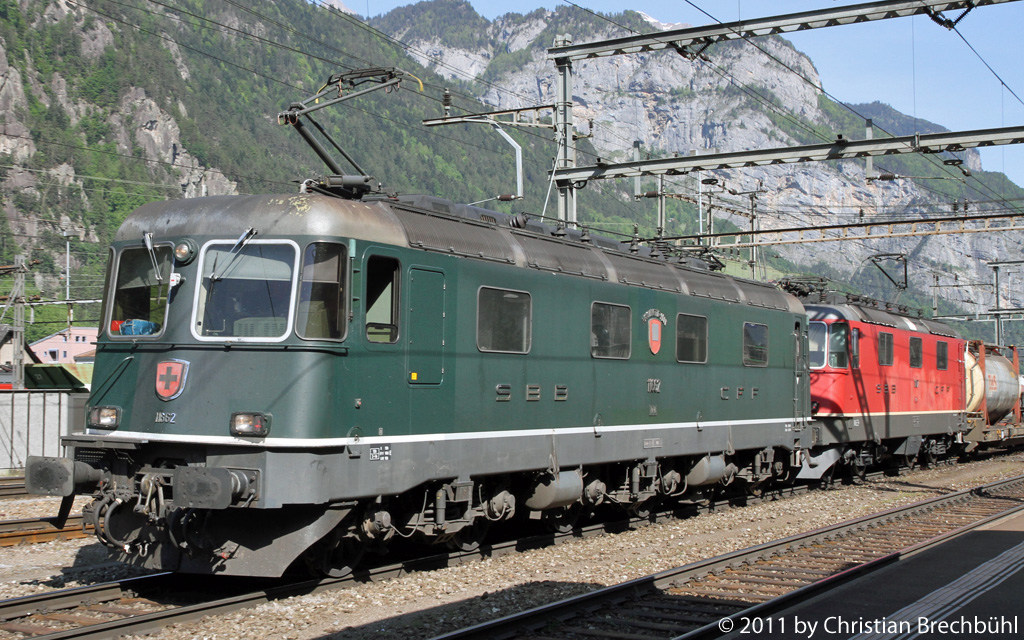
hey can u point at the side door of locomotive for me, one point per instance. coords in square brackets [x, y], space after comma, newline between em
[425, 350]
[380, 378]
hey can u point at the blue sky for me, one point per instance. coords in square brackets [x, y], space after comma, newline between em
[912, 64]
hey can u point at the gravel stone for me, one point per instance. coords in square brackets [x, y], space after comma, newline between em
[422, 605]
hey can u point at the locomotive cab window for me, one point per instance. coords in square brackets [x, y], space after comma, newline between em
[817, 335]
[321, 314]
[885, 349]
[916, 353]
[141, 292]
[503, 320]
[942, 355]
[838, 340]
[246, 292]
[610, 331]
[382, 285]
[755, 344]
[691, 338]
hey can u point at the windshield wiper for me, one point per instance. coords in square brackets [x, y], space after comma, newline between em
[147, 237]
[235, 251]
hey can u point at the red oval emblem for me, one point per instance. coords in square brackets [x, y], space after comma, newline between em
[654, 335]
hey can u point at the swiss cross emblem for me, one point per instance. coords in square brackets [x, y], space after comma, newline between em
[170, 378]
[656, 322]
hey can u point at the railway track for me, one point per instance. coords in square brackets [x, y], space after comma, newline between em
[142, 605]
[691, 601]
[145, 604]
[13, 487]
[33, 530]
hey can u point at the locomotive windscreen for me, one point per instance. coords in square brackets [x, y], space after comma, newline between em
[245, 292]
[140, 295]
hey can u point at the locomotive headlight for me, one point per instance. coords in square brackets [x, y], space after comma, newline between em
[250, 424]
[105, 417]
[185, 251]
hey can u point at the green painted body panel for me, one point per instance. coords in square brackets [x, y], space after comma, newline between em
[335, 389]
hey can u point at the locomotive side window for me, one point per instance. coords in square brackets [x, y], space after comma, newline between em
[691, 338]
[246, 291]
[755, 344]
[321, 313]
[816, 336]
[916, 353]
[610, 331]
[382, 285]
[838, 338]
[942, 355]
[503, 320]
[140, 293]
[885, 349]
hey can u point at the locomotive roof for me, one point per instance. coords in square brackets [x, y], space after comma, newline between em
[271, 215]
[871, 315]
[432, 224]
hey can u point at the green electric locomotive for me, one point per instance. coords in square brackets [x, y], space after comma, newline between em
[290, 380]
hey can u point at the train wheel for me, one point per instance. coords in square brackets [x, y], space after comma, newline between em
[825, 481]
[471, 536]
[342, 559]
[563, 520]
[644, 509]
[858, 473]
[926, 456]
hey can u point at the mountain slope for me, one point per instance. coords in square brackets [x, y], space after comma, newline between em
[735, 96]
[106, 105]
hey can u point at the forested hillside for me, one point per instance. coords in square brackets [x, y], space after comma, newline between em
[110, 104]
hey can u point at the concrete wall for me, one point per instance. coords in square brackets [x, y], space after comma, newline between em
[32, 422]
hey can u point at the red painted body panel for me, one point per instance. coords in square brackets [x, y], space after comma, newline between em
[884, 389]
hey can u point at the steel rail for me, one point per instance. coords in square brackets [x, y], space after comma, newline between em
[82, 598]
[35, 530]
[141, 591]
[512, 625]
[13, 487]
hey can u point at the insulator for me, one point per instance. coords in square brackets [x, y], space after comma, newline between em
[887, 176]
[651, 194]
[507, 197]
[447, 100]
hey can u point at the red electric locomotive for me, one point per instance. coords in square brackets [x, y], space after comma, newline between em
[885, 385]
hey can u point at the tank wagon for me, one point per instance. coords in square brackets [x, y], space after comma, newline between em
[993, 395]
[292, 380]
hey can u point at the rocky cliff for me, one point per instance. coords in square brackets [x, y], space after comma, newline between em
[107, 106]
[735, 97]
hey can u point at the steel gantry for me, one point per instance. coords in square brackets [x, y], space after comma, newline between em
[691, 42]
